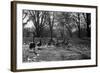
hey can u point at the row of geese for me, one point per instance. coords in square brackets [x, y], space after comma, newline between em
[39, 44]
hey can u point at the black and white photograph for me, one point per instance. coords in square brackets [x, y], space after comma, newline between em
[53, 36]
[56, 36]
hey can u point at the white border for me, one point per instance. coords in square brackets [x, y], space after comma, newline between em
[34, 65]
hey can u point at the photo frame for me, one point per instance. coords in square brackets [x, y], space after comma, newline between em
[46, 36]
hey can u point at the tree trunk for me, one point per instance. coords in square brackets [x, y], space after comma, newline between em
[79, 34]
[37, 25]
[88, 15]
[51, 31]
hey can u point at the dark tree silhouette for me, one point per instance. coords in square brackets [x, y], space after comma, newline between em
[88, 21]
[78, 24]
[50, 20]
[38, 18]
[87, 17]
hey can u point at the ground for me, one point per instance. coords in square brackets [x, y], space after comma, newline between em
[79, 49]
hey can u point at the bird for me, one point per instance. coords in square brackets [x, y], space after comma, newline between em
[32, 45]
[49, 43]
[57, 43]
[66, 43]
[33, 48]
[39, 43]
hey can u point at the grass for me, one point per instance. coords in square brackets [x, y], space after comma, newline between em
[79, 50]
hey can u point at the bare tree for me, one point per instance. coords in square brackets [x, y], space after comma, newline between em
[38, 18]
[87, 17]
[50, 20]
[77, 20]
[78, 24]
[64, 19]
[68, 25]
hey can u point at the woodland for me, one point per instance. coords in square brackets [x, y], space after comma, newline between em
[56, 35]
